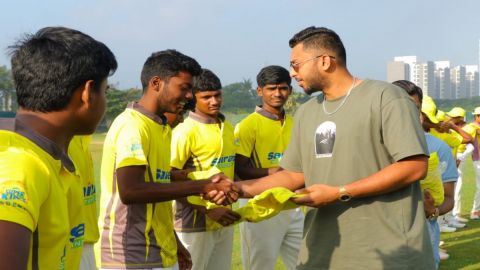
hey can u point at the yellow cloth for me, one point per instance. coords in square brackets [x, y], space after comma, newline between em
[266, 205]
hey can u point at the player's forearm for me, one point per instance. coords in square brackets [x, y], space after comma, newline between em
[286, 179]
[158, 192]
[180, 175]
[250, 173]
[448, 201]
[392, 177]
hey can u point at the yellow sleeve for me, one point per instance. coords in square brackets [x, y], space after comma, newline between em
[24, 186]
[470, 129]
[131, 146]
[453, 139]
[244, 138]
[181, 146]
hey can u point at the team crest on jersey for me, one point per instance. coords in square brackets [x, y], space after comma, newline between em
[77, 234]
[13, 191]
[89, 194]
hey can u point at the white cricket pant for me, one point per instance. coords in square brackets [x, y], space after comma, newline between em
[211, 250]
[457, 207]
[476, 200]
[264, 241]
[88, 258]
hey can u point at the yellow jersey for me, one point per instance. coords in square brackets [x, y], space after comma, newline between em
[136, 235]
[40, 190]
[263, 138]
[451, 138]
[470, 129]
[207, 146]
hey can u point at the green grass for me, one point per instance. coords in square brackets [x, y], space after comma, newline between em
[463, 245]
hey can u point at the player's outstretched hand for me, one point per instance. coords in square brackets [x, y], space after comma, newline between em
[221, 190]
[224, 216]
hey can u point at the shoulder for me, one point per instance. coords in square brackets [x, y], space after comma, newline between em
[185, 129]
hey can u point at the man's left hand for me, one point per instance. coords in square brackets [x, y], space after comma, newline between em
[317, 195]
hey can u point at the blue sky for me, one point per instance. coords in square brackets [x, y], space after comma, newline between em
[237, 38]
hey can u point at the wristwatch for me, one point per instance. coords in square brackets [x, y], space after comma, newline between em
[344, 196]
[435, 214]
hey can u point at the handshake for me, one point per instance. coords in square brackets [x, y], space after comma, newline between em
[221, 190]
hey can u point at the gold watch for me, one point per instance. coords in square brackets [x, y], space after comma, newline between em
[344, 195]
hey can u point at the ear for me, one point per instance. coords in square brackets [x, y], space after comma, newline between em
[326, 63]
[86, 92]
[156, 84]
[259, 91]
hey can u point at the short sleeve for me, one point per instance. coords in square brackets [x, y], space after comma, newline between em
[447, 163]
[401, 129]
[180, 147]
[130, 147]
[470, 129]
[23, 189]
[244, 138]
[292, 159]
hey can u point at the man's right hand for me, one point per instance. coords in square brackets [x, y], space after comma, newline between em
[224, 216]
[221, 190]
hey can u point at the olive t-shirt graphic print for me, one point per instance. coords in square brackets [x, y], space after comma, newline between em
[325, 139]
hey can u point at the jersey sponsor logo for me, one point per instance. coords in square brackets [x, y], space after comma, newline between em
[13, 194]
[274, 157]
[89, 194]
[162, 176]
[77, 234]
[223, 162]
[135, 147]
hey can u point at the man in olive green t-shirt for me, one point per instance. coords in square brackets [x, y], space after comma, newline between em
[359, 149]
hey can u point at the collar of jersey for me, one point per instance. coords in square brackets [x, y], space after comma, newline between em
[161, 120]
[263, 112]
[205, 119]
[44, 143]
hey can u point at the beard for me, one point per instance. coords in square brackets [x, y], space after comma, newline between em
[309, 91]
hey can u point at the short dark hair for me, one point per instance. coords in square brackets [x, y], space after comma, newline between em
[49, 65]
[206, 81]
[273, 75]
[411, 88]
[166, 64]
[320, 37]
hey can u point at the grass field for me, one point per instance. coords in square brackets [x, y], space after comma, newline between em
[463, 245]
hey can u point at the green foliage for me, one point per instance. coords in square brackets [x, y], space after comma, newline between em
[294, 101]
[7, 90]
[239, 97]
[117, 101]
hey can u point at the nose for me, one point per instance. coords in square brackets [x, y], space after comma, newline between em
[293, 73]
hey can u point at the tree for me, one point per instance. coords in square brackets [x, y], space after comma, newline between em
[239, 97]
[117, 101]
[7, 90]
